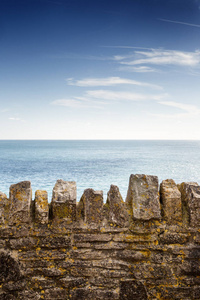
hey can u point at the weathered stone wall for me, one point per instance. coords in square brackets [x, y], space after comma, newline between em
[147, 247]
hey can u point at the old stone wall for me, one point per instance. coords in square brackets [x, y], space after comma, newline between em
[147, 247]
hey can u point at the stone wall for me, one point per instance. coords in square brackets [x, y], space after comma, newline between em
[147, 247]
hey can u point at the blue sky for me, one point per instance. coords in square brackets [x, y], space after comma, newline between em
[74, 69]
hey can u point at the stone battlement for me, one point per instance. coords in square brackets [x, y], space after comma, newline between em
[146, 247]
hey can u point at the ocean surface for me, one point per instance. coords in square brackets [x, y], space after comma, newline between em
[96, 164]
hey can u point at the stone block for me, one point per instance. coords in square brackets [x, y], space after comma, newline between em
[20, 197]
[143, 197]
[90, 207]
[55, 242]
[173, 238]
[55, 293]
[91, 294]
[171, 201]
[64, 200]
[115, 208]
[102, 237]
[176, 293]
[4, 208]
[41, 207]
[190, 195]
[25, 243]
[132, 289]
[70, 282]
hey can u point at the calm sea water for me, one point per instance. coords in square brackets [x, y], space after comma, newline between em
[96, 164]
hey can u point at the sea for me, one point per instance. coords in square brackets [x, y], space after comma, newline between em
[95, 163]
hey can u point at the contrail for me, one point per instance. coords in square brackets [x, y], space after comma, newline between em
[177, 22]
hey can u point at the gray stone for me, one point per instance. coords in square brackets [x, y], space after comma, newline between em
[4, 208]
[190, 195]
[20, 197]
[143, 197]
[41, 207]
[115, 208]
[171, 201]
[64, 200]
[132, 289]
[90, 207]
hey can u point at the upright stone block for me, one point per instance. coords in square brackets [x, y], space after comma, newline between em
[143, 197]
[115, 207]
[171, 201]
[190, 195]
[4, 208]
[41, 207]
[64, 200]
[20, 197]
[90, 206]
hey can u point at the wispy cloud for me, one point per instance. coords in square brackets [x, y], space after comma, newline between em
[16, 119]
[100, 98]
[186, 110]
[109, 81]
[68, 103]
[178, 22]
[112, 95]
[78, 102]
[140, 69]
[190, 109]
[163, 57]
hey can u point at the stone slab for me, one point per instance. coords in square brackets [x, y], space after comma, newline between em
[20, 197]
[143, 197]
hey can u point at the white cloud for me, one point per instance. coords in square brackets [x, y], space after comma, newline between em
[165, 57]
[78, 102]
[16, 119]
[141, 61]
[99, 98]
[68, 102]
[190, 109]
[112, 95]
[187, 111]
[140, 69]
[109, 81]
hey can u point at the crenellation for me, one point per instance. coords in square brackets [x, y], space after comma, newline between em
[90, 207]
[190, 194]
[64, 200]
[145, 248]
[20, 196]
[4, 208]
[143, 197]
[115, 209]
[170, 198]
[41, 207]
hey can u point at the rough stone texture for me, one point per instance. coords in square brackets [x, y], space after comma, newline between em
[41, 207]
[132, 289]
[20, 197]
[171, 201]
[91, 206]
[115, 208]
[4, 208]
[190, 193]
[143, 197]
[99, 255]
[64, 200]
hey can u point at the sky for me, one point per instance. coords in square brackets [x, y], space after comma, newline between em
[82, 69]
